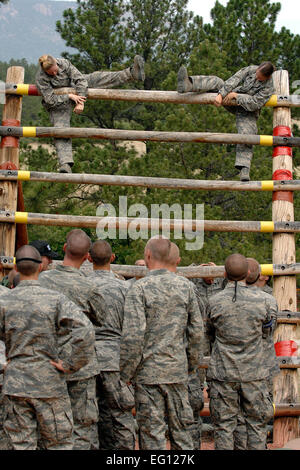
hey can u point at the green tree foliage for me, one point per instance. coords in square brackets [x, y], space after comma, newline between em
[107, 35]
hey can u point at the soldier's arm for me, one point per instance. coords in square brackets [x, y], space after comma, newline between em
[270, 322]
[209, 328]
[134, 325]
[76, 335]
[194, 333]
[257, 101]
[233, 81]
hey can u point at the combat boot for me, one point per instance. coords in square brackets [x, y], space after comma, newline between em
[65, 168]
[245, 174]
[137, 69]
[184, 84]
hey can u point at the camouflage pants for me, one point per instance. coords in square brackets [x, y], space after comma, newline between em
[226, 401]
[4, 440]
[53, 417]
[246, 121]
[153, 403]
[116, 425]
[195, 390]
[85, 412]
[240, 436]
[61, 115]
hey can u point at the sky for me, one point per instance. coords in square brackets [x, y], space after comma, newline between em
[289, 16]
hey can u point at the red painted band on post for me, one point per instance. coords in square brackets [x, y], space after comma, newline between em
[278, 151]
[286, 348]
[282, 175]
[282, 131]
[33, 91]
[8, 166]
[9, 141]
[283, 195]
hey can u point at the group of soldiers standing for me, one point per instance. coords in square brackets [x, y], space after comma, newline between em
[97, 362]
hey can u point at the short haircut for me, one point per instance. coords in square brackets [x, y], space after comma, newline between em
[254, 268]
[27, 267]
[78, 244]
[236, 267]
[159, 248]
[266, 68]
[101, 252]
[174, 254]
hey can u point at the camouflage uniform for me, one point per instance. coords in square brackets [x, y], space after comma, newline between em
[60, 106]
[81, 385]
[4, 441]
[237, 371]
[252, 95]
[116, 426]
[38, 326]
[161, 344]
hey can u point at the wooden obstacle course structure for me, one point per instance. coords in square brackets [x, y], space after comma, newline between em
[282, 226]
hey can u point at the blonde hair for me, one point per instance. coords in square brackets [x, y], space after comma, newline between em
[46, 61]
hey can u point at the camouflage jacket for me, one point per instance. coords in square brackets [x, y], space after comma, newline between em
[162, 330]
[111, 291]
[252, 94]
[4, 290]
[206, 290]
[34, 322]
[68, 76]
[236, 331]
[78, 288]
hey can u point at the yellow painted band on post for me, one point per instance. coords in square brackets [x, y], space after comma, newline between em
[14, 260]
[266, 140]
[21, 217]
[273, 101]
[23, 175]
[29, 131]
[274, 408]
[267, 226]
[267, 185]
[22, 89]
[267, 269]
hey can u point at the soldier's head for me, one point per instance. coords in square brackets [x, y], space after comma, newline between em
[253, 271]
[264, 71]
[77, 247]
[262, 280]
[28, 262]
[49, 64]
[140, 262]
[208, 280]
[101, 255]
[236, 267]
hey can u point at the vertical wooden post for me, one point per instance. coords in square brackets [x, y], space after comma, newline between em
[10, 153]
[286, 383]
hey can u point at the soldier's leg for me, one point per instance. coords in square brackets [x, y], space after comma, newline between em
[102, 79]
[150, 411]
[179, 416]
[20, 423]
[61, 117]
[198, 83]
[240, 436]
[224, 408]
[246, 123]
[258, 411]
[85, 411]
[5, 443]
[195, 390]
[54, 416]
[116, 423]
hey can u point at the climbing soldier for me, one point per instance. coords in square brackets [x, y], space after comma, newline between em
[250, 88]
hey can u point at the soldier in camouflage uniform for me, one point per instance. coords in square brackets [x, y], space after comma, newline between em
[57, 73]
[116, 425]
[46, 337]
[251, 87]
[160, 346]
[67, 278]
[237, 320]
[4, 441]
